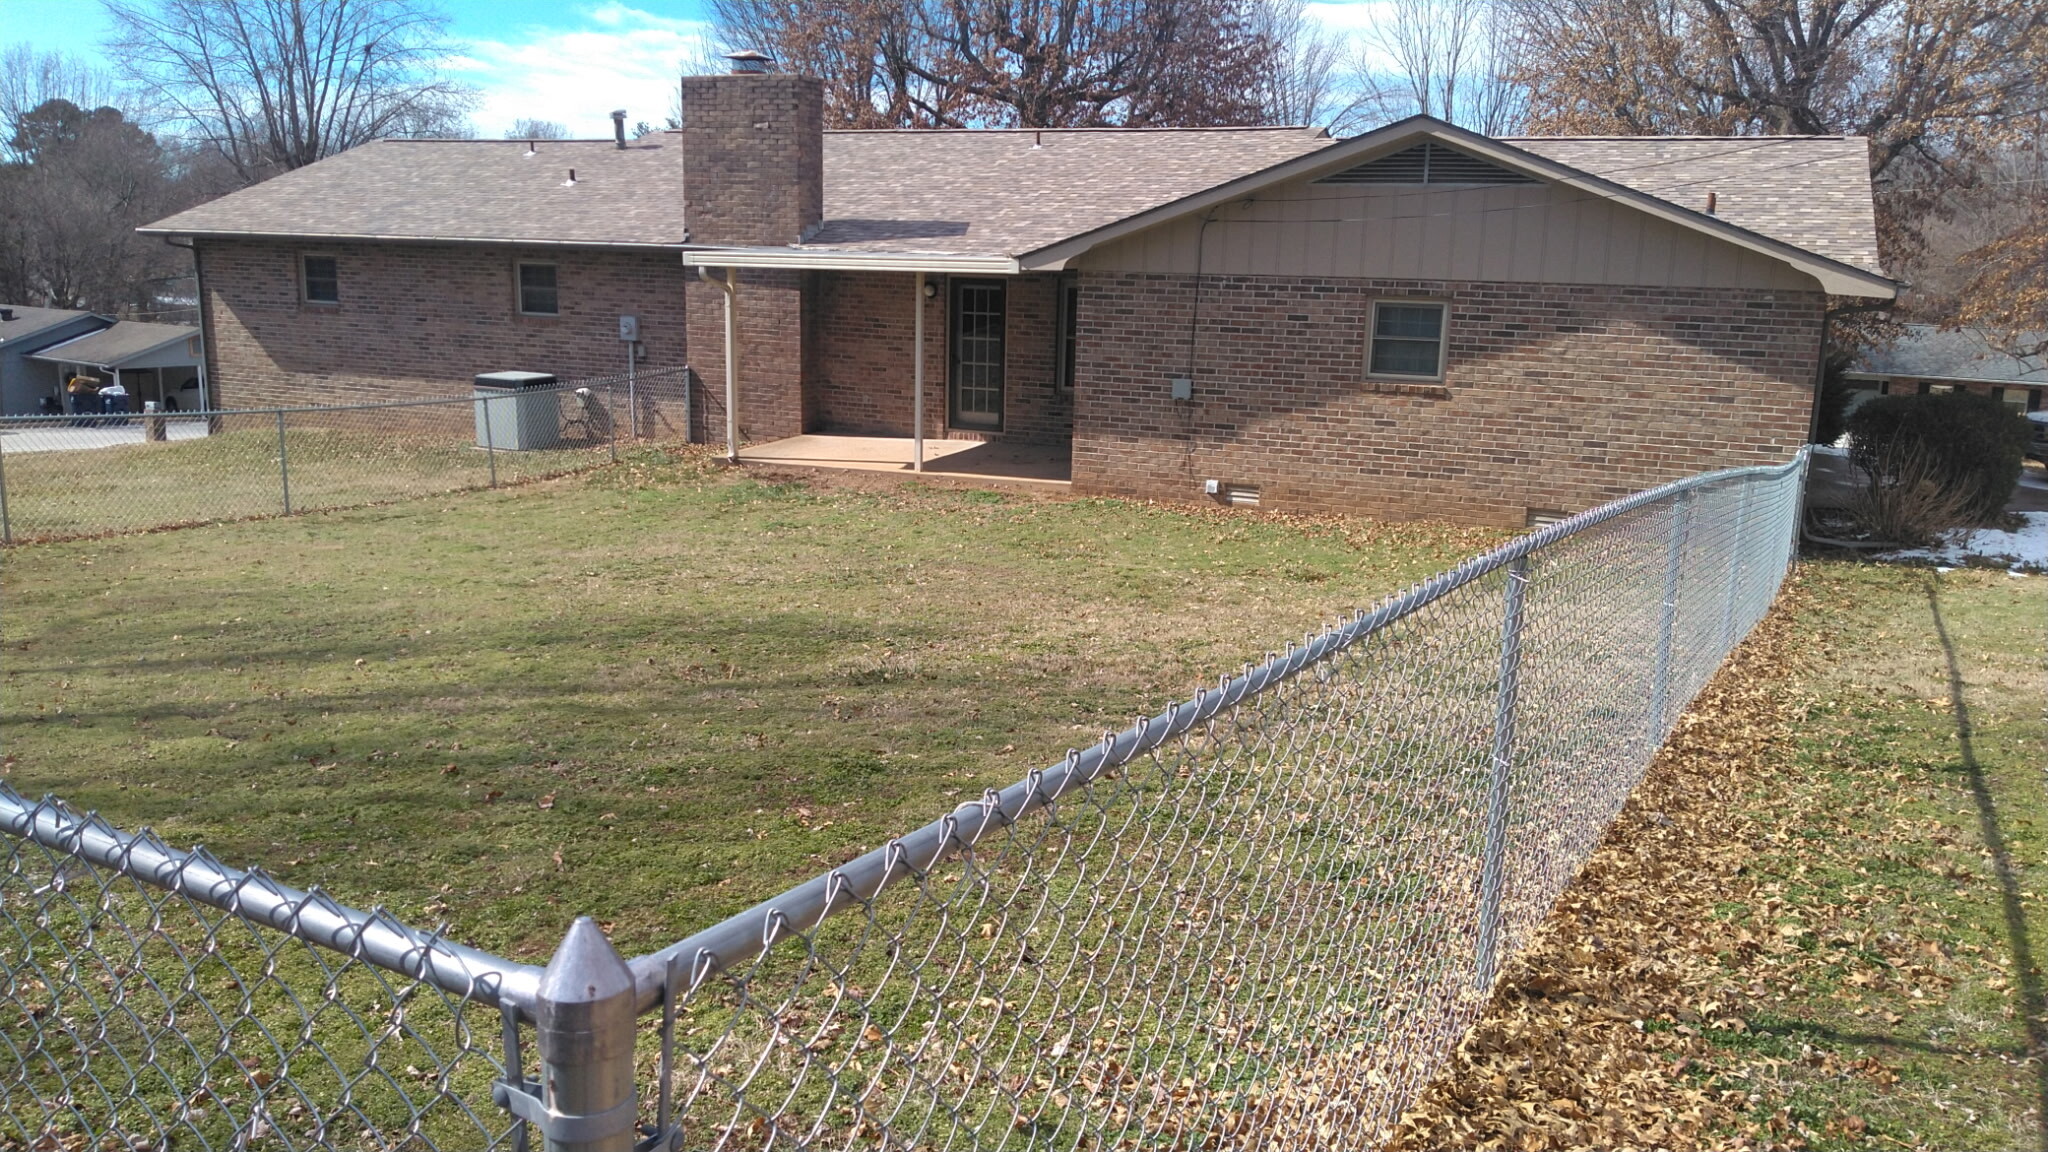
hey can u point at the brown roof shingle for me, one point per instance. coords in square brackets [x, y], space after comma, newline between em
[988, 192]
[1812, 192]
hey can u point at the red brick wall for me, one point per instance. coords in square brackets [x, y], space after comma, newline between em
[753, 157]
[862, 384]
[1555, 397]
[773, 351]
[419, 320]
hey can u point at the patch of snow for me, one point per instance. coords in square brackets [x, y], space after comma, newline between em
[1831, 449]
[2025, 550]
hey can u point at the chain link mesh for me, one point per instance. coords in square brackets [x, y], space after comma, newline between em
[135, 1015]
[70, 476]
[1261, 919]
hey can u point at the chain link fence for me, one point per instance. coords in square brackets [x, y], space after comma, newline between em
[1259, 919]
[69, 476]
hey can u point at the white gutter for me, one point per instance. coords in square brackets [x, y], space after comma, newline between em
[831, 260]
[509, 241]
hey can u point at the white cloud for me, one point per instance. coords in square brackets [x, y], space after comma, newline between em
[1353, 20]
[619, 57]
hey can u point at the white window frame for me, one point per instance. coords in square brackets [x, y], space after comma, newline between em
[519, 268]
[305, 293]
[1443, 336]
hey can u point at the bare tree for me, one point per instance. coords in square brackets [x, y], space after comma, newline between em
[279, 84]
[1018, 63]
[1452, 59]
[29, 77]
[80, 183]
[527, 129]
[1935, 84]
[1304, 81]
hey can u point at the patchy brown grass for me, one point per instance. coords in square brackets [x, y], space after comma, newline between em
[1811, 926]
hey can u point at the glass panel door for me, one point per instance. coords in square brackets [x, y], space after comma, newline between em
[977, 375]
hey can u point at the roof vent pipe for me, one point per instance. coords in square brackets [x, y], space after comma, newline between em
[619, 127]
[747, 62]
[6, 313]
[1712, 203]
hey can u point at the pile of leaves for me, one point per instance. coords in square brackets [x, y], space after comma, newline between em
[1632, 1019]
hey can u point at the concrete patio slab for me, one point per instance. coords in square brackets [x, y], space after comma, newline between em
[1036, 465]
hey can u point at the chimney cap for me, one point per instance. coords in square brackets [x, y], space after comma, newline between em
[748, 61]
[619, 114]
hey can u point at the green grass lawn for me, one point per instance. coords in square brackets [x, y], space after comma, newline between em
[1910, 875]
[360, 457]
[655, 694]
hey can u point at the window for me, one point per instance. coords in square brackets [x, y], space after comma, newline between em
[1065, 341]
[320, 279]
[537, 295]
[2013, 398]
[1407, 339]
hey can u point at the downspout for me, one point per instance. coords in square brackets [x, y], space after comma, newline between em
[205, 333]
[730, 287]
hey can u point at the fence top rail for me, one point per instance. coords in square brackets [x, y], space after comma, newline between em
[742, 937]
[375, 937]
[68, 418]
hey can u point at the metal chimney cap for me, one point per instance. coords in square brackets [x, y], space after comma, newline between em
[748, 61]
[619, 114]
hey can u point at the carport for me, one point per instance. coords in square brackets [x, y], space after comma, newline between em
[160, 362]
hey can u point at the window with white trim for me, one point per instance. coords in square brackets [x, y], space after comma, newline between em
[537, 293]
[1066, 342]
[320, 279]
[1408, 339]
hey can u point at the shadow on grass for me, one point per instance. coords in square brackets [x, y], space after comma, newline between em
[2033, 1002]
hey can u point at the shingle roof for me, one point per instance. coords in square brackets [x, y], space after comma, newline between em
[996, 193]
[1923, 351]
[1808, 191]
[1009, 191]
[466, 190]
[28, 322]
[113, 346]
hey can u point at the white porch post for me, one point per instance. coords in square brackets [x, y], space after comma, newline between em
[917, 377]
[732, 366]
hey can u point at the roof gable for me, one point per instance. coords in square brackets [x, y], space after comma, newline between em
[1835, 274]
[1430, 162]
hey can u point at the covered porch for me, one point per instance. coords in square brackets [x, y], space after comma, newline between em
[922, 363]
[1046, 466]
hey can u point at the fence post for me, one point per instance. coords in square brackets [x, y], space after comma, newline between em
[1734, 569]
[490, 441]
[583, 1027]
[1492, 872]
[284, 468]
[1667, 623]
[6, 524]
[611, 420]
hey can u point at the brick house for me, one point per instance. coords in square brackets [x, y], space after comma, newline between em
[1419, 321]
[1925, 358]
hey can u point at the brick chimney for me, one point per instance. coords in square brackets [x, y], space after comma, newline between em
[753, 155]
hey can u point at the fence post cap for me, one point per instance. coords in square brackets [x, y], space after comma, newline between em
[585, 969]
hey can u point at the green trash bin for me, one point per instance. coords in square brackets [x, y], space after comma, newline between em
[517, 411]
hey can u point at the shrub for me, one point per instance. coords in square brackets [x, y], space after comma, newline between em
[1967, 443]
[1913, 504]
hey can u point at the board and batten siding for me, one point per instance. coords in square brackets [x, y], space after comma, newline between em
[1512, 233]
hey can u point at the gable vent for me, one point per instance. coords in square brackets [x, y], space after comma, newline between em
[1428, 163]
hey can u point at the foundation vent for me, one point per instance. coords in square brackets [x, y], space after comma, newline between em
[1240, 495]
[1544, 517]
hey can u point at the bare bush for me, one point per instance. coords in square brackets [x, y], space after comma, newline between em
[1908, 499]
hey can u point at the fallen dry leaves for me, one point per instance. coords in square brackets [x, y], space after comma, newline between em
[1594, 1037]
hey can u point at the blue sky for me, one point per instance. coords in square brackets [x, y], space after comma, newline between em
[563, 60]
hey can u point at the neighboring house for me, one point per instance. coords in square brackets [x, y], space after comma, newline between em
[26, 382]
[153, 362]
[1419, 321]
[1929, 359]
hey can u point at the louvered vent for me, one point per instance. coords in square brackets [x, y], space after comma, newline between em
[1428, 163]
